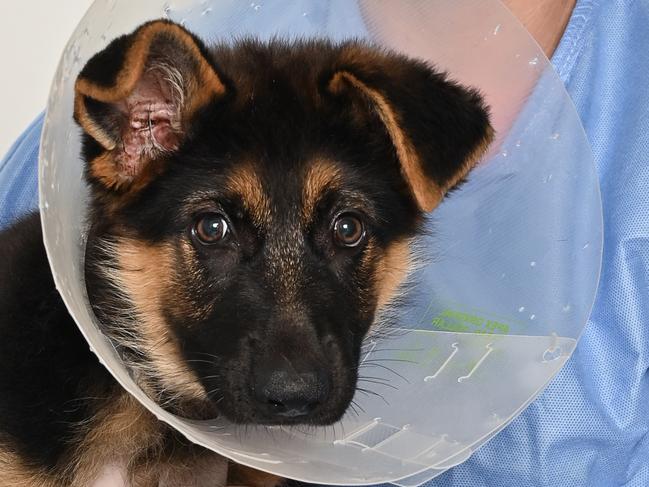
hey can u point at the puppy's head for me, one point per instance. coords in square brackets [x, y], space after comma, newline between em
[253, 207]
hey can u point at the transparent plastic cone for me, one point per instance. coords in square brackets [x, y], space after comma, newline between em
[512, 262]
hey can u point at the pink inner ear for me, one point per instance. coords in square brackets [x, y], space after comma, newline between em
[152, 124]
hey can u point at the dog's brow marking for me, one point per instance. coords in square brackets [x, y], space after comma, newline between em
[244, 181]
[320, 176]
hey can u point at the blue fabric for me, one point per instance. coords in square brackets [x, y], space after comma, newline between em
[590, 427]
[19, 175]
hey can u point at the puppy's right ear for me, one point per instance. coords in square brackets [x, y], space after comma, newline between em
[136, 100]
[438, 128]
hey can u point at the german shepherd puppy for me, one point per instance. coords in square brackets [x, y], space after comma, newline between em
[252, 210]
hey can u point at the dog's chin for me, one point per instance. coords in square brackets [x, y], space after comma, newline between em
[322, 419]
[249, 416]
[241, 413]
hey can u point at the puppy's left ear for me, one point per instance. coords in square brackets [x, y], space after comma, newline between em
[439, 129]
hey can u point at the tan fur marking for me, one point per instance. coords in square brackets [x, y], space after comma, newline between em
[124, 436]
[88, 124]
[121, 431]
[472, 160]
[104, 168]
[185, 465]
[242, 475]
[200, 91]
[426, 192]
[146, 274]
[391, 270]
[15, 473]
[320, 176]
[244, 181]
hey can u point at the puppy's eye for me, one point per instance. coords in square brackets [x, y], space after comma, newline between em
[348, 230]
[211, 228]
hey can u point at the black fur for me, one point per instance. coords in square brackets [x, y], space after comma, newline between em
[46, 366]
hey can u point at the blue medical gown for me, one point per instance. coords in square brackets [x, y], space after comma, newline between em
[591, 425]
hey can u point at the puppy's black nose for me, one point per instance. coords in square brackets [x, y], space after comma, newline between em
[281, 391]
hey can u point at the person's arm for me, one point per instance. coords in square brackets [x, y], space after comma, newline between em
[544, 19]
